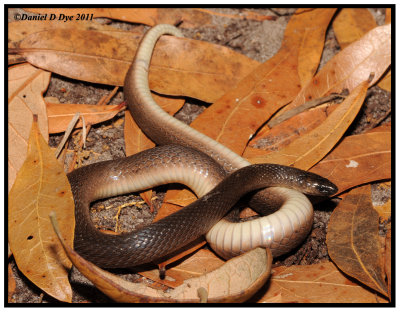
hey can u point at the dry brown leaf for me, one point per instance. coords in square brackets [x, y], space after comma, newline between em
[308, 149]
[263, 91]
[18, 31]
[26, 85]
[101, 58]
[350, 67]
[386, 82]
[311, 48]
[200, 263]
[60, 115]
[351, 24]
[41, 186]
[268, 140]
[358, 159]
[353, 240]
[236, 281]
[317, 283]
[190, 18]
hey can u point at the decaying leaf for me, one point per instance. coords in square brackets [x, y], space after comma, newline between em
[236, 281]
[353, 241]
[101, 58]
[26, 85]
[316, 283]
[41, 186]
[358, 159]
[308, 149]
[61, 114]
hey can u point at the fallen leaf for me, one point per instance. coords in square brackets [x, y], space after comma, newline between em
[353, 241]
[311, 48]
[316, 283]
[41, 186]
[308, 149]
[101, 58]
[189, 18]
[262, 92]
[236, 281]
[386, 82]
[351, 24]
[268, 140]
[358, 159]
[60, 115]
[350, 67]
[200, 263]
[18, 31]
[26, 85]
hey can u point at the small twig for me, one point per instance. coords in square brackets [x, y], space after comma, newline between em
[299, 109]
[85, 130]
[67, 133]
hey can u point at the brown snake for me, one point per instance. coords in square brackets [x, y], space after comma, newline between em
[183, 163]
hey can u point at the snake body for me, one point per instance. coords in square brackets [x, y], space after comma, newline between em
[219, 181]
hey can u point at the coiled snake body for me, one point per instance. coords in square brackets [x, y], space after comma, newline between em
[219, 182]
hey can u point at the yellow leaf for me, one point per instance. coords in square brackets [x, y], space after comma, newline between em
[41, 186]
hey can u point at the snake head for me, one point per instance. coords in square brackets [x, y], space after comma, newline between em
[317, 185]
[326, 188]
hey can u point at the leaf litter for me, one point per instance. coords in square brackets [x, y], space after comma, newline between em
[242, 22]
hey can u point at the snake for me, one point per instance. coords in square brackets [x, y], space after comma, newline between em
[218, 176]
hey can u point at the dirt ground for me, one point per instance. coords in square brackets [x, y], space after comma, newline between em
[106, 141]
